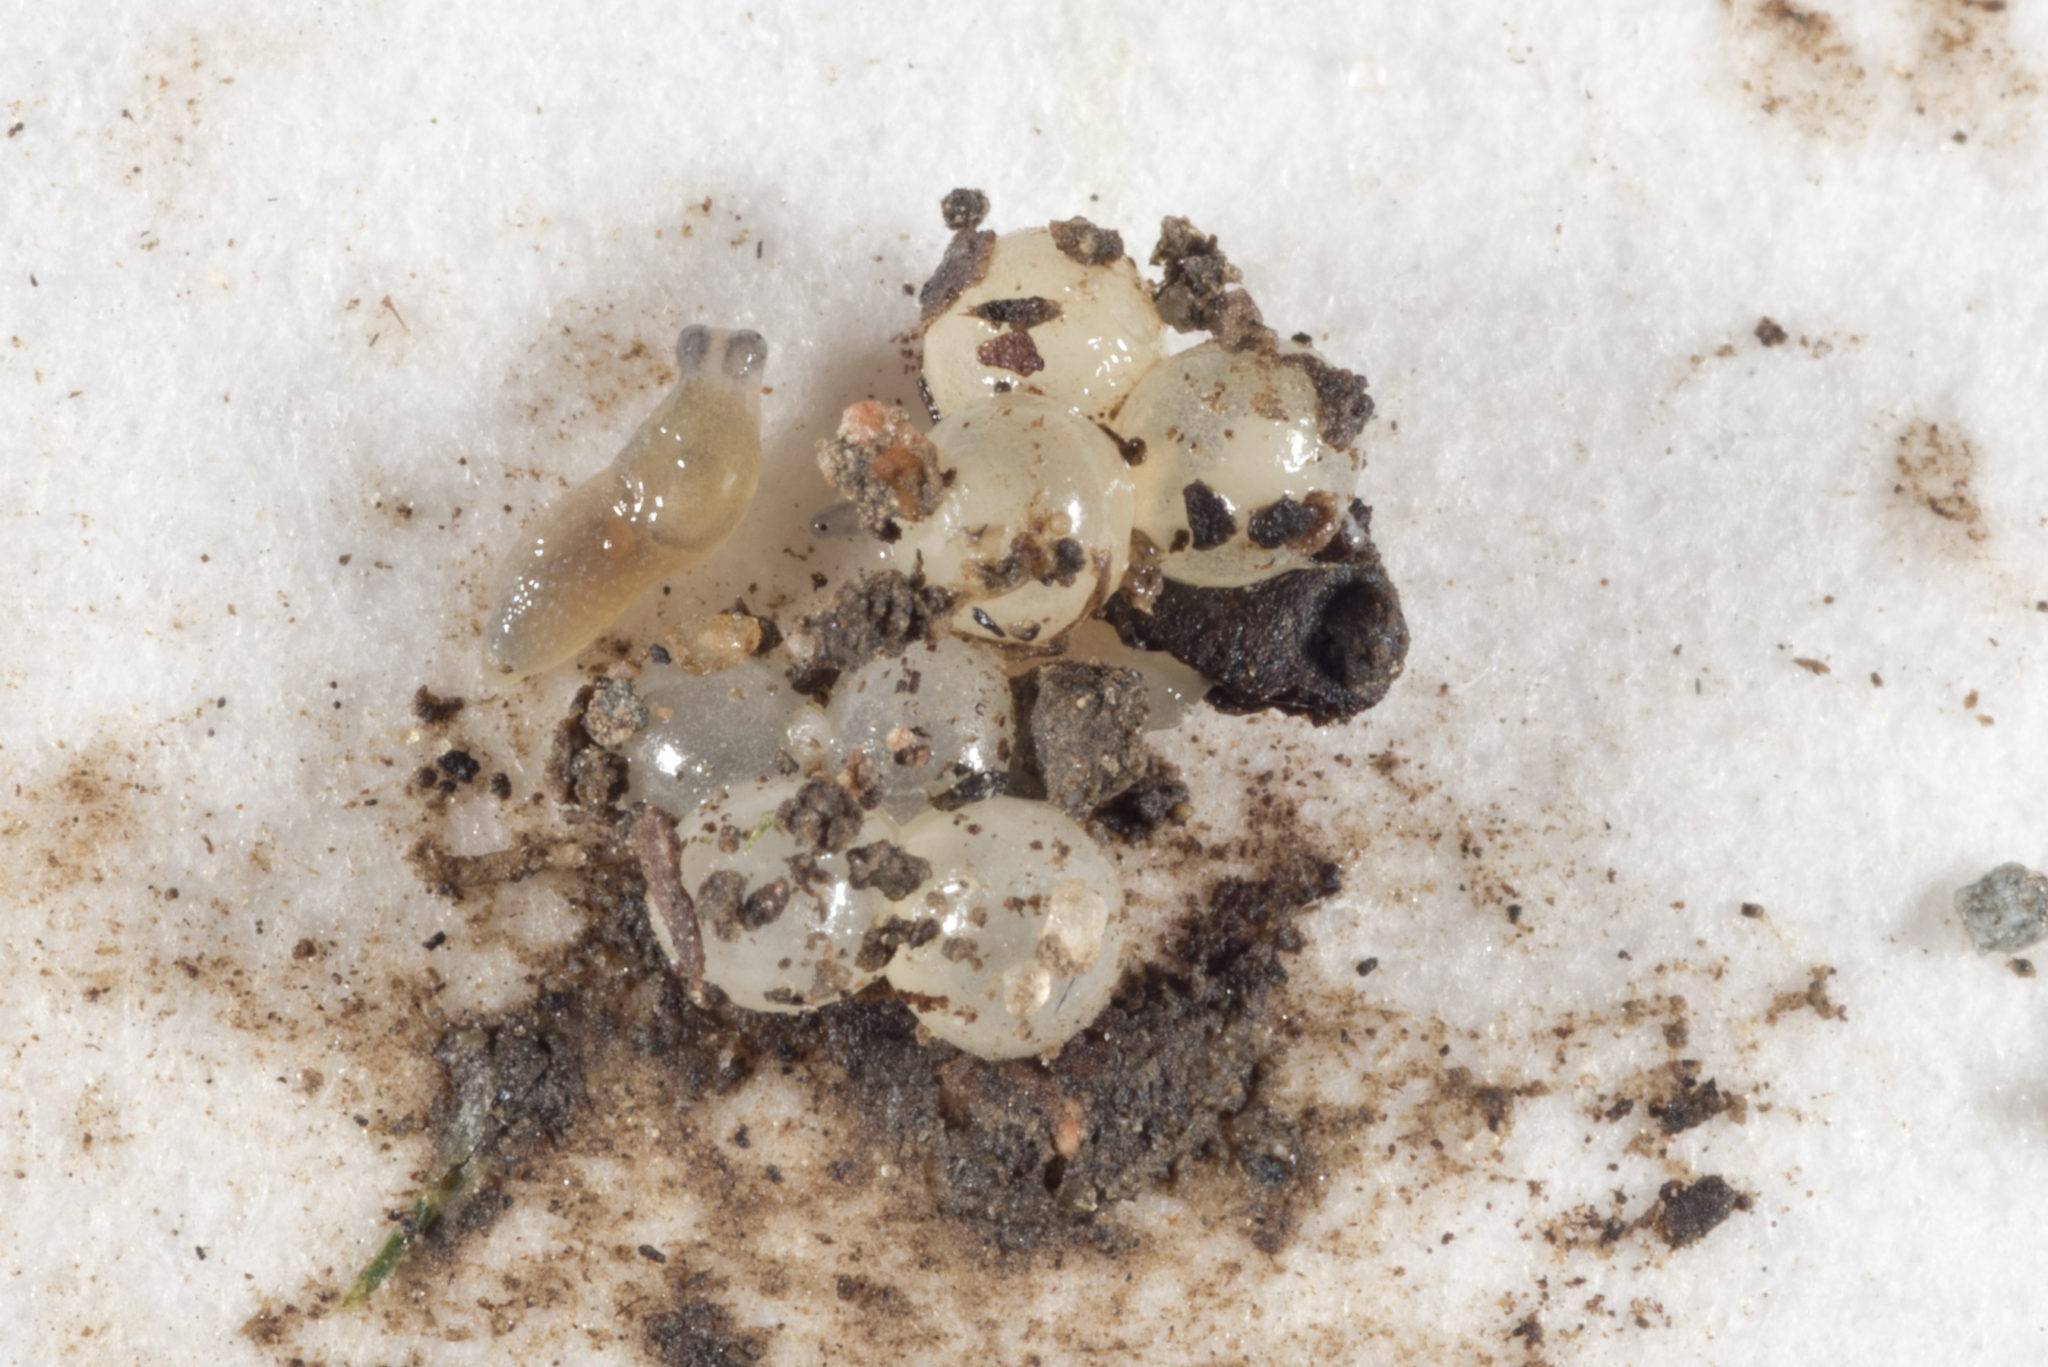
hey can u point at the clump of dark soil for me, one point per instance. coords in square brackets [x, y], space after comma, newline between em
[700, 1333]
[878, 614]
[1081, 735]
[1021, 1154]
[1030, 1151]
[1686, 1212]
[1324, 643]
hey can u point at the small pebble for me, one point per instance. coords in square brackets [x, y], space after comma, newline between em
[2006, 909]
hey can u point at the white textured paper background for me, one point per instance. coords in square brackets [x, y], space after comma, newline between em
[282, 290]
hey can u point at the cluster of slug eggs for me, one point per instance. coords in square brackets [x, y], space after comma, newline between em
[1003, 925]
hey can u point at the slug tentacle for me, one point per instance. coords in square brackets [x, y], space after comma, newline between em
[676, 490]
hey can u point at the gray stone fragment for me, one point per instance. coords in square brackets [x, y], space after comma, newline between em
[2006, 910]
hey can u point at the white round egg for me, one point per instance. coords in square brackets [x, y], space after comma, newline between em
[924, 720]
[1031, 928]
[707, 732]
[781, 923]
[1101, 335]
[1035, 525]
[1240, 430]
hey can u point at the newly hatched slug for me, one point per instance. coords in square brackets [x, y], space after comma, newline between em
[677, 489]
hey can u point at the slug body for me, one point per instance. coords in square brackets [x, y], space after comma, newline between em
[673, 494]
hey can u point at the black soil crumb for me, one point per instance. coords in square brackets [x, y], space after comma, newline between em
[1157, 798]
[1693, 1103]
[1323, 643]
[1028, 1151]
[1685, 1213]
[882, 941]
[823, 817]
[435, 711]
[1080, 734]
[1343, 407]
[964, 209]
[1018, 315]
[459, 765]
[1769, 333]
[886, 467]
[889, 869]
[1210, 520]
[701, 1333]
[877, 614]
[966, 258]
[1306, 525]
[1082, 241]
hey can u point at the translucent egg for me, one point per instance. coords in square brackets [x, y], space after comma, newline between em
[1035, 526]
[1098, 334]
[781, 923]
[1227, 435]
[709, 732]
[924, 720]
[1031, 928]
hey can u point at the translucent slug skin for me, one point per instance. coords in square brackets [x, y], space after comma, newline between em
[674, 493]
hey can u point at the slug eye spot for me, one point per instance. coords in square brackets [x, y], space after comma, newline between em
[745, 353]
[692, 346]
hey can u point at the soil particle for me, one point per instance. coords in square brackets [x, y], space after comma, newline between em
[1343, 407]
[580, 773]
[459, 765]
[884, 465]
[615, 715]
[433, 710]
[882, 941]
[1084, 242]
[1195, 294]
[719, 900]
[889, 869]
[964, 209]
[1937, 470]
[1769, 333]
[764, 905]
[822, 818]
[876, 614]
[1080, 730]
[701, 1333]
[1018, 315]
[1686, 1212]
[1012, 351]
[1813, 997]
[966, 258]
[1306, 525]
[660, 851]
[1157, 798]
[1323, 643]
[1210, 520]
[450, 875]
[1694, 1103]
